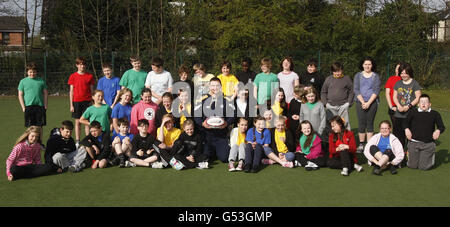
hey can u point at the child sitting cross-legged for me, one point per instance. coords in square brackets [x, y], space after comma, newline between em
[143, 148]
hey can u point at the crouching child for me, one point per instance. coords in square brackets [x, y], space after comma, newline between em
[97, 146]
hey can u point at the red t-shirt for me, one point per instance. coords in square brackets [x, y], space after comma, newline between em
[390, 84]
[81, 86]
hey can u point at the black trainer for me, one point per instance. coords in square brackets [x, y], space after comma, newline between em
[376, 170]
[393, 169]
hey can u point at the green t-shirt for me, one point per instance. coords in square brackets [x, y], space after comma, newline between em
[33, 90]
[266, 83]
[135, 81]
[100, 114]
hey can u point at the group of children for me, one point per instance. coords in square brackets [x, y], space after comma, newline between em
[298, 120]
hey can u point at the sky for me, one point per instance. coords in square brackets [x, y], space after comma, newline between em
[434, 5]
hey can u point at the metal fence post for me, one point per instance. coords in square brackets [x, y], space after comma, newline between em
[45, 66]
[112, 59]
[319, 60]
[388, 63]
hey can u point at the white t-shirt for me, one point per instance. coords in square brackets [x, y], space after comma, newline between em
[159, 83]
[287, 82]
[241, 106]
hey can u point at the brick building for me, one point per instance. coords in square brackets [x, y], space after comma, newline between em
[11, 32]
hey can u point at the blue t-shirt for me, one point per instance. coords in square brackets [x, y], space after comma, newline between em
[265, 139]
[109, 88]
[384, 144]
[129, 135]
[120, 111]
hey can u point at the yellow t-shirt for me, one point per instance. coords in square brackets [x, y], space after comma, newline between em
[241, 138]
[228, 84]
[276, 108]
[281, 146]
[169, 136]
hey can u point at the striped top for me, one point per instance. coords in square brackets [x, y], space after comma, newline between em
[23, 154]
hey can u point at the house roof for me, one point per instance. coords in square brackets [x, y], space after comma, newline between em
[9, 23]
[444, 15]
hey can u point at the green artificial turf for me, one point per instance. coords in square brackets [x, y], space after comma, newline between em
[272, 187]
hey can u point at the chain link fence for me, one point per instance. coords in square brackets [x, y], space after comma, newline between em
[430, 69]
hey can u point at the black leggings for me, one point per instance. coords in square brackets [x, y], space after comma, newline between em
[320, 161]
[345, 159]
[374, 149]
[31, 171]
[366, 117]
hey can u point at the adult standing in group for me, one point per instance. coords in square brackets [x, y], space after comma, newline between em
[288, 78]
[215, 106]
[389, 86]
[366, 85]
[407, 92]
[312, 77]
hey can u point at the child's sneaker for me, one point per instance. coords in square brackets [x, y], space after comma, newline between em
[344, 171]
[203, 165]
[297, 163]
[73, 169]
[358, 167]
[393, 169]
[240, 166]
[360, 148]
[231, 166]
[288, 165]
[129, 164]
[157, 165]
[267, 161]
[311, 166]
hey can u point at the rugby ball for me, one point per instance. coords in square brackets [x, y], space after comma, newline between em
[215, 122]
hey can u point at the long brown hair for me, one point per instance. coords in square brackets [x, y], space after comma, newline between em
[24, 136]
[341, 123]
[310, 137]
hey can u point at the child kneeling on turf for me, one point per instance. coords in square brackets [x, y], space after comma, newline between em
[61, 151]
[143, 148]
[421, 133]
[121, 144]
[187, 150]
[97, 145]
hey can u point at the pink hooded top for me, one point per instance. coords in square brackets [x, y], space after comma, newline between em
[23, 154]
[143, 111]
